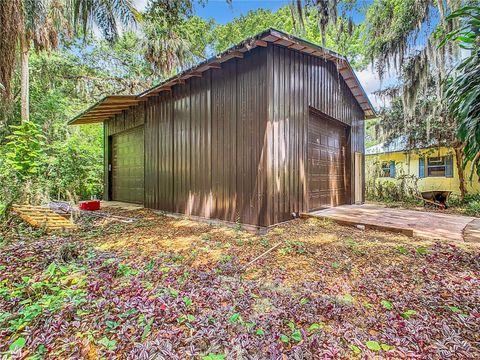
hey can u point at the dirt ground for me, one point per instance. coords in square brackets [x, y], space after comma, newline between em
[172, 288]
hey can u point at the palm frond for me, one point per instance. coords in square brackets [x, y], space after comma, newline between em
[105, 14]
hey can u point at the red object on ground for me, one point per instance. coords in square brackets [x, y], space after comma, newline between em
[89, 205]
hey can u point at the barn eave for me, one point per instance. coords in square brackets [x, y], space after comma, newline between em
[112, 105]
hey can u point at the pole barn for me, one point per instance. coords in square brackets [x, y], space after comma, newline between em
[270, 128]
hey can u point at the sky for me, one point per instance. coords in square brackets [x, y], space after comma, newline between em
[222, 13]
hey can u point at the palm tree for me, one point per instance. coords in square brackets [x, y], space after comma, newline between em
[105, 14]
[462, 90]
[40, 22]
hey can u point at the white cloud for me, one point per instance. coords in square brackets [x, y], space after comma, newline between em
[371, 83]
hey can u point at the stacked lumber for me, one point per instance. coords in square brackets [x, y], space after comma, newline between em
[40, 217]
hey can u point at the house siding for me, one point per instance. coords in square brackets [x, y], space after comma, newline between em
[407, 163]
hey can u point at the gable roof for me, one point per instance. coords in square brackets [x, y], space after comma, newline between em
[112, 105]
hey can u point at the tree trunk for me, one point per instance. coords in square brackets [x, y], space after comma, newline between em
[25, 107]
[458, 147]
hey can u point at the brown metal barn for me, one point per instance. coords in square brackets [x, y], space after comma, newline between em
[271, 127]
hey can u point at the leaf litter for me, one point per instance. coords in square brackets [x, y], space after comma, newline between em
[175, 288]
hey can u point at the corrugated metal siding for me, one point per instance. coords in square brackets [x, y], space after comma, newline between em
[251, 109]
[128, 119]
[212, 143]
[204, 144]
[299, 81]
[159, 153]
[224, 141]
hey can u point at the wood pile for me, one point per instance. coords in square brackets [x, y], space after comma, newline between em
[40, 217]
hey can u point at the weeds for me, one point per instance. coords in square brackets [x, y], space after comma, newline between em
[132, 305]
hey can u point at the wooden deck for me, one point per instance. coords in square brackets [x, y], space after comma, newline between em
[428, 225]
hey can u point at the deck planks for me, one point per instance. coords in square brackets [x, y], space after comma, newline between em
[40, 217]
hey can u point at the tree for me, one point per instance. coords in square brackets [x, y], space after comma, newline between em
[462, 90]
[25, 22]
[173, 38]
[430, 125]
[40, 22]
[254, 22]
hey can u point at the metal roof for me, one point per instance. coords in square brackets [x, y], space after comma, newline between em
[398, 144]
[115, 104]
[404, 144]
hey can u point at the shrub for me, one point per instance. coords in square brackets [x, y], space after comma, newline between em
[34, 169]
[402, 188]
[473, 208]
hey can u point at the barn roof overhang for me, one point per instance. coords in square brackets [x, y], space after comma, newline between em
[116, 104]
[106, 108]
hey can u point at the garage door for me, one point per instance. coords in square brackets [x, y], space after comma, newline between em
[326, 163]
[128, 166]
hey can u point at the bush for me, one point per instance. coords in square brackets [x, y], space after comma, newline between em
[34, 170]
[21, 161]
[473, 208]
[456, 201]
[400, 189]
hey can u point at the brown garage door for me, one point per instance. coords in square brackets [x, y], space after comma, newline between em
[326, 163]
[128, 166]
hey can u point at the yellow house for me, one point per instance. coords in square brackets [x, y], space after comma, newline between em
[434, 168]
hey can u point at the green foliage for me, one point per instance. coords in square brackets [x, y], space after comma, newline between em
[105, 14]
[109, 344]
[473, 208]
[297, 336]
[235, 318]
[401, 189]
[173, 38]
[22, 159]
[421, 250]
[284, 338]
[408, 314]
[23, 151]
[254, 22]
[373, 345]
[387, 304]
[125, 270]
[75, 165]
[212, 356]
[187, 301]
[44, 295]
[260, 332]
[462, 90]
[401, 250]
[355, 349]
[43, 158]
[17, 344]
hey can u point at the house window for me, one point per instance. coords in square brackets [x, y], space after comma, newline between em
[388, 169]
[437, 166]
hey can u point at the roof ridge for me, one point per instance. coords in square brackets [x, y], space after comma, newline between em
[262, 39]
